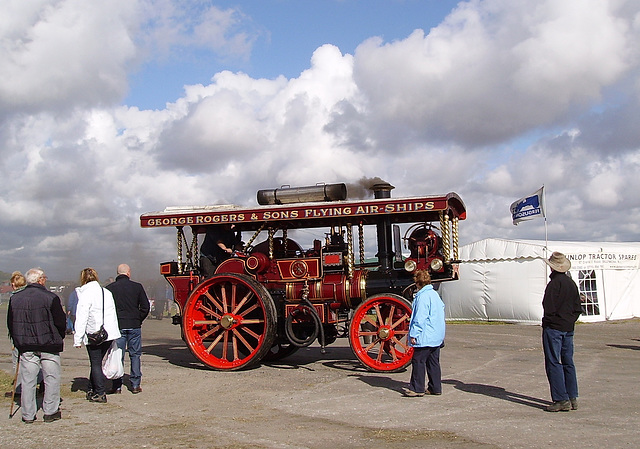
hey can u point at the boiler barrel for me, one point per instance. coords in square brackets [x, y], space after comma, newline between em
[288, 195]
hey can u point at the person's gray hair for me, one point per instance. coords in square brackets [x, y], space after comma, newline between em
[34, 275]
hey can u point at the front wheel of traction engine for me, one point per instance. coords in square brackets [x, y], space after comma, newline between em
[229, 322]
[379, 333]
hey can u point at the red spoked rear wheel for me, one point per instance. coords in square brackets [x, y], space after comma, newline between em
[229, 322]
[379, 332]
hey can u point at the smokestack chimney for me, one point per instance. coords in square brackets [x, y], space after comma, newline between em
[385, 254]
[382, 190]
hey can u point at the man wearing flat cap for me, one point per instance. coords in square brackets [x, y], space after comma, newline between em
[561, 304]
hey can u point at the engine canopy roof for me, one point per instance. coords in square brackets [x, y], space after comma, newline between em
[310, 215]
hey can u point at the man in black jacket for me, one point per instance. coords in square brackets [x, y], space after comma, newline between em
[562, 307]
[132, 307]
[218, 245]
[37, 325]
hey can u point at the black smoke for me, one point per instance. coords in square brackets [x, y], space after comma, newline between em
[361, 189]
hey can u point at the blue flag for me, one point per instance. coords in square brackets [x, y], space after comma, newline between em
[529, 207]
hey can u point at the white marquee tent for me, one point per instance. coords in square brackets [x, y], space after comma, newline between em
[504, 280]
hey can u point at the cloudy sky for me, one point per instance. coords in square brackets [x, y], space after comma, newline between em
[112, 109]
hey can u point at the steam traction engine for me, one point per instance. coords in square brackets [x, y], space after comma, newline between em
[275, 296]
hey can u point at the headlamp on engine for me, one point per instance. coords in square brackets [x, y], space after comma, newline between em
[436, 265]
[410, 265]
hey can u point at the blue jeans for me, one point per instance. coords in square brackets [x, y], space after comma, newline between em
[131, 339]
[558, 363]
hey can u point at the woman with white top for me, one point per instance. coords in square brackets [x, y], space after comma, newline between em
[95, 308]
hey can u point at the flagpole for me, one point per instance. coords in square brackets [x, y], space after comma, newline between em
[544, 214]
[546, 230]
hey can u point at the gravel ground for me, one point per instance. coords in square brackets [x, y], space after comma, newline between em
[494, 396]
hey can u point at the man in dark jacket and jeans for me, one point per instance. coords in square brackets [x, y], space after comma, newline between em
[37, 325]
[132, 307]
[562, 307]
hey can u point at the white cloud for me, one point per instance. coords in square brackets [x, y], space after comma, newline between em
[168, 27]
[64, 54]
[72, 53]
[495, 69]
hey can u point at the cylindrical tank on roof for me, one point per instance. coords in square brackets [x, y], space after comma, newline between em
[308, 194]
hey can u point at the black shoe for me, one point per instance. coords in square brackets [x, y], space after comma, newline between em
[28, 421]
[89, 394]
[102, 398]
[136, 390]
[54, 417]
[115, 391]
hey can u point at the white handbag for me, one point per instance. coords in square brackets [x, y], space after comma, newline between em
[112, 363]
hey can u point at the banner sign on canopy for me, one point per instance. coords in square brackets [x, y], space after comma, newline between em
[603, 261]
